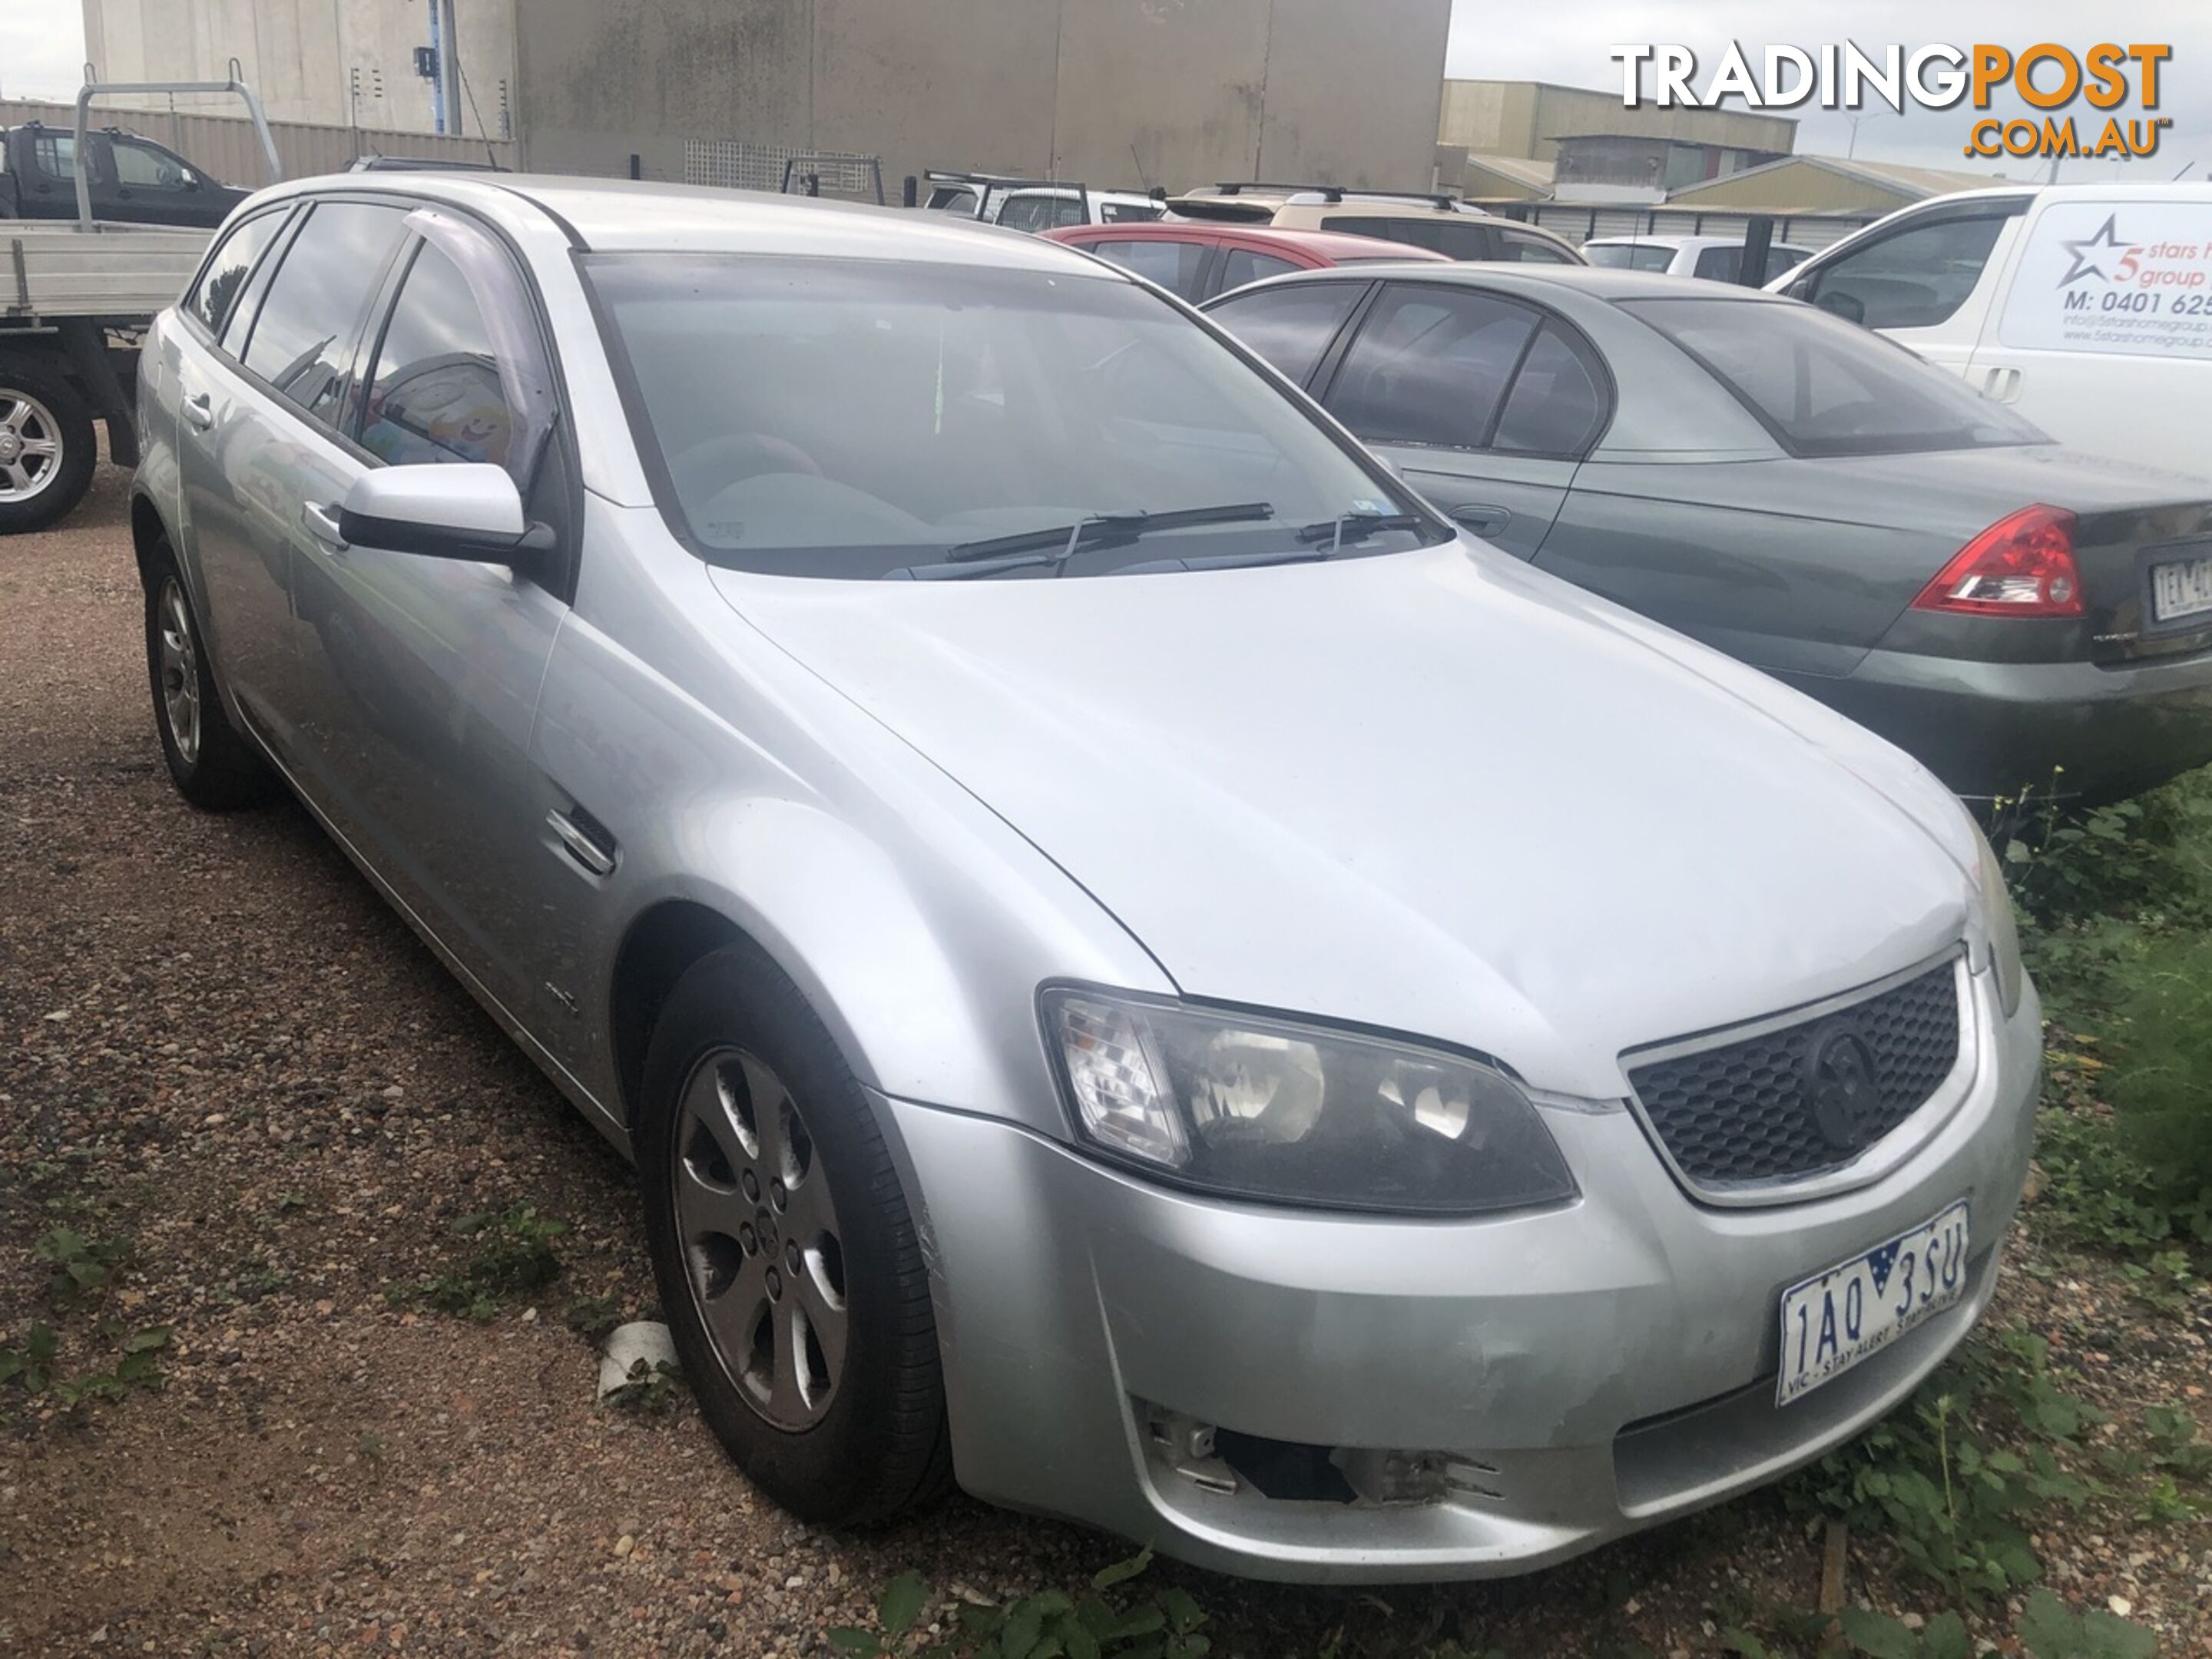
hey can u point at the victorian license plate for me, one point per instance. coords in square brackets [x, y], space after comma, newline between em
[1833, 1320]
[2181, 588]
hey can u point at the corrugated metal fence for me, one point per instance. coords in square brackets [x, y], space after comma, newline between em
[224, 145]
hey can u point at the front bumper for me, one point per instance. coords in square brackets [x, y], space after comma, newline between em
[1586, 1371]
[1995, 728]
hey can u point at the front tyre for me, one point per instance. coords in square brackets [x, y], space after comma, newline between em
[213, 766]
[785, 1254]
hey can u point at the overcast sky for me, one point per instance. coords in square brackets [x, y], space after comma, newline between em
[42, 45]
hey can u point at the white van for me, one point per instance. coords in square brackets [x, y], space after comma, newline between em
[2088, 307]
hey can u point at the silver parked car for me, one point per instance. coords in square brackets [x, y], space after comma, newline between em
[1141, 969]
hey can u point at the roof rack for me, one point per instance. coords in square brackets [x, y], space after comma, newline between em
[997, 180]
[1334, 194]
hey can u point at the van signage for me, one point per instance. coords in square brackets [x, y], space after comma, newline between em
[2117, 275]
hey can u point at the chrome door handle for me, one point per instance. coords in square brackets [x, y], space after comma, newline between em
[322, 524]
[199, 412]
[1483, 521]
[581, 844]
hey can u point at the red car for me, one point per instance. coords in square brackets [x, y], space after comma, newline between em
[1196, 260]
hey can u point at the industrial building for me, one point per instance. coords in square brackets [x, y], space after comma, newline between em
[418, 66]
[1146, 93]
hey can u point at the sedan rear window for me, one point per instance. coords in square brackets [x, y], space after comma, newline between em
[857, 418]
[1823, 387]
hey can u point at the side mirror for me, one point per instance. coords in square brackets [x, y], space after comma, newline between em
[469, 510]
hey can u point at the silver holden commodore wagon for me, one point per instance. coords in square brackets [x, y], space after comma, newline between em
[1142, 971]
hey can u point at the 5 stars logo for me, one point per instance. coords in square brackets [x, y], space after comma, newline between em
[2086, 251]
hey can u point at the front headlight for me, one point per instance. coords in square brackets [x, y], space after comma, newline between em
[1257, 1108]
[1997, 917]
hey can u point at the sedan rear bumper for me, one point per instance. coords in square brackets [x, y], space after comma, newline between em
[1994, 728]
[1501, 1393]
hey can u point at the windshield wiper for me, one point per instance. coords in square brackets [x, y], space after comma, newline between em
[1358, 528]
[1054, 547]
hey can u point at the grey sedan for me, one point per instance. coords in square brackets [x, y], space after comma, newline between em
[1106, 925]
[1801, 495]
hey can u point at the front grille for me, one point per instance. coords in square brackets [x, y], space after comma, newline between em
[1740, 1113]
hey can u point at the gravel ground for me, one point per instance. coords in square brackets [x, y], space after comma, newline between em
[223, 1050]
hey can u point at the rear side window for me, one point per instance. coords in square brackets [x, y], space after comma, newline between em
[1242, 266]
[1521, 246]
[1431, 365]
[1456, 236]
[1290, 327]
[54, 154]
[1175, 266]
[1719, 264]
[303, 338]
[1823, 387]
[1622, 256]
[215, 295]
[1912, 278]
[1557, 401]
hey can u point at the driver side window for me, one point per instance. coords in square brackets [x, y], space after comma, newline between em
[142, 166]
[437, 395]
[1914, 278]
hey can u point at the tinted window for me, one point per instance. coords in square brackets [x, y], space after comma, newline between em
[302, 339]
[54, 154]
[1456, 236]
[1719, 264]
[142, 166]
[1290, 327]
[1174, 266]
[1628, 256]
[1127, 213]
[1242, 266]
[1725, 265]
[1040, 212]
[216, 296]
[1430, 366]
[853, 418]
[436, 394]
[1825, 388]
[1528, 249]
[1914, 278]
[960, 201]
[1557, 402]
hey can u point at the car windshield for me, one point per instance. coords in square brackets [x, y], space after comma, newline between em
[1628, 256]
[856, 418]
[1823, 387]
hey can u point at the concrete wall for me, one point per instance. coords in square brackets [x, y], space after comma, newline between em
[1112, 92]
[1523, 118]
[340, 62]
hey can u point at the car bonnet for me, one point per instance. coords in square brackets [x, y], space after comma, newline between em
[1432, 792]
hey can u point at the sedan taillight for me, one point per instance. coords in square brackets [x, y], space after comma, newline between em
[2021, 566]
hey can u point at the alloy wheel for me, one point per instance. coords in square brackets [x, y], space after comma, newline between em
[30, 446]
[179, 667]
[764, 1257]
